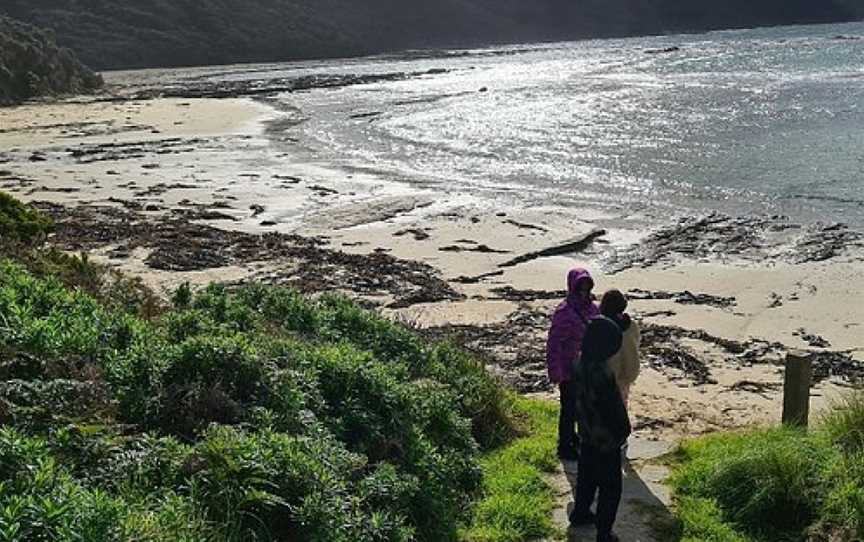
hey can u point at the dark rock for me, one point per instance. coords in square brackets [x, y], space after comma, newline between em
[371, 114]
[812, 339]
[662, 357]
[419, 235]
[568, 247]
[288, 179]
[177, 244]
[478, 248]
[754, 238]
[474, 280]
[323, 190]
[512, 294]
[684, 298]
[672, 49]
[524, 226]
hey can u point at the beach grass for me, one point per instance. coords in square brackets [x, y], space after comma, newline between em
[517, 500]
[777, 484]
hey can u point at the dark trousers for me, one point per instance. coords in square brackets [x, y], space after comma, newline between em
[599, 471]
[568, 441]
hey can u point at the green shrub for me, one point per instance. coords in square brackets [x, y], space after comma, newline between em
[289, 488]
[41, 501]
[269, 415]
[481, 398]
[345, 321]
[21, 224]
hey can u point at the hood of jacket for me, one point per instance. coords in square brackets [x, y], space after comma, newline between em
[575, 278]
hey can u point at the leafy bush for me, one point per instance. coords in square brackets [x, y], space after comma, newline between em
[20, 223]
[41, 501]
[251, 414]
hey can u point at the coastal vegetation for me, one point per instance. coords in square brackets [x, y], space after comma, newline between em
[517, 503]
[251, 413]
[32, 64]
[151, 33]
[775, 485]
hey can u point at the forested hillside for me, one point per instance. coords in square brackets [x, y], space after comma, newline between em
[31, 64]
[141, 33]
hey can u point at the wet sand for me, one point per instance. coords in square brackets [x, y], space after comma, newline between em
[202, 189]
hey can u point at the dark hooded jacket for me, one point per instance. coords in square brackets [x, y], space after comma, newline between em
[600, 411]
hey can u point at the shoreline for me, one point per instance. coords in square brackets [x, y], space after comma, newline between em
[180, 188]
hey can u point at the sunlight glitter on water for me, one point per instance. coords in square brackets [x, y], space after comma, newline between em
[766, 120]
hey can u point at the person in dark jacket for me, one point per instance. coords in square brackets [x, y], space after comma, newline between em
[603, 426]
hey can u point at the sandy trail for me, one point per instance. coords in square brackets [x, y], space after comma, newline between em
[645, 501]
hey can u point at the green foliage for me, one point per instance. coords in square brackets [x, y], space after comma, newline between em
[776, 484]
[31, 64]
[41, 501]
[267, 415]
[703, 522]
[843, 424]
[767, 478]
[517, 503]
[20, 223]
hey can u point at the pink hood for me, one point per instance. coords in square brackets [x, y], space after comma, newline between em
[569, 322]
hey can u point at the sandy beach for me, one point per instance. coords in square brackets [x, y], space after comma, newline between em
[182, 189]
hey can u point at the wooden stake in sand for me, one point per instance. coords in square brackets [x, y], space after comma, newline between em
[796, 389]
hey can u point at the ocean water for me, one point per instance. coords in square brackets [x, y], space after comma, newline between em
[752, 121]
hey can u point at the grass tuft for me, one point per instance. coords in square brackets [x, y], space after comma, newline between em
[518, 501]
[776, 485]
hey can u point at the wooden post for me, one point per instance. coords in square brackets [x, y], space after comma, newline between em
[796, 389]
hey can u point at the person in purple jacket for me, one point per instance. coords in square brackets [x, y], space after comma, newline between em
[563, 348]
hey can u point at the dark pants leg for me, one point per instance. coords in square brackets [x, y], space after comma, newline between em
[568, 442]
[603, 473]
[586, 482]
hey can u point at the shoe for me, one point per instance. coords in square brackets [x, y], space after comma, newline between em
[581, 520]
[609, 537]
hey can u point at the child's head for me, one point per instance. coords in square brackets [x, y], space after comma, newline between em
[613, 303]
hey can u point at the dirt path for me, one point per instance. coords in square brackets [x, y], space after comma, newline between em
[644, 514]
